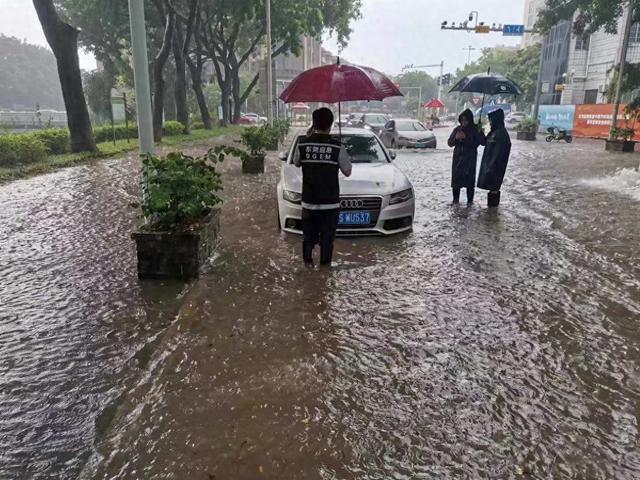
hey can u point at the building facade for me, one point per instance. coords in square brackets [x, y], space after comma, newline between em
[531, 10]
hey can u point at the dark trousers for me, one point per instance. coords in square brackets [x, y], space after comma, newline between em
[470, 194]
[319, 227]
[493, 198]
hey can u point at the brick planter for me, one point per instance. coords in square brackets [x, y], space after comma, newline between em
[176, 255]
[526, 136]
[253, 164]
[620, 146]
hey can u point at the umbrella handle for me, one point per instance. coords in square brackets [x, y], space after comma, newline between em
[481, 109]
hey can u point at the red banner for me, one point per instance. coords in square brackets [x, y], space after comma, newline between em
[594, 121]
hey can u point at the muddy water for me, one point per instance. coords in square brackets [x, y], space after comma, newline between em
[483, 345]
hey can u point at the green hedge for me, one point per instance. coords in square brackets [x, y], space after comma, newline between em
[105, 133]
[21, 149]
[56, 140]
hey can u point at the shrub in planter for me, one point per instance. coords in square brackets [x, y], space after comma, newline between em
[172, 128]
[257, 141]
[21, 150]
[56, 140]
[181, 208]
[623, 140]
[527, 128]
[277, 133]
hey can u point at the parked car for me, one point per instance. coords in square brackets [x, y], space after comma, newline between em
[252, 119]
[377, 199]
[408, 133]
[372, 121]
[512, 119]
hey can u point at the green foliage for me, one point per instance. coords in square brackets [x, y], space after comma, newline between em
[56, 140]
[181, 190]
[278, 132]
[172, 128]
[592, 16]
[257, 140]
[105, 133]
[197, 125]
[21, 149]
[97, 89]
[29, 76]
[521, 66]
[528, 124]
[623, 133]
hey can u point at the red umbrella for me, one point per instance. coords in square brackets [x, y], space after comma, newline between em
[434, 103]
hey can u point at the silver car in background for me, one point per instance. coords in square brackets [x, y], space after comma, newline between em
[377, 199]
[407, 133]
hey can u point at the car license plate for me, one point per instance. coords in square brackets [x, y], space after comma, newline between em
[354, 218]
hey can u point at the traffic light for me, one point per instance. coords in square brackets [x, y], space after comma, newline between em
[446, 79]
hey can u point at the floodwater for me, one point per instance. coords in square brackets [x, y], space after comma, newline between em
[485, 344]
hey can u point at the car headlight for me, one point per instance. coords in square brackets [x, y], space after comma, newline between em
[401, 197]
[293, 197]
[367, 127]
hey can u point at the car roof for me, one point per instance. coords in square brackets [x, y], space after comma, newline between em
[407, 119]
[349, 131]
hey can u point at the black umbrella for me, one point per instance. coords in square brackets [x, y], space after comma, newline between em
[487, 84]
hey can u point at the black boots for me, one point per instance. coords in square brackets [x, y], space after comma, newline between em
[493, 199]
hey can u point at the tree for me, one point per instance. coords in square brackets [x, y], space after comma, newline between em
[592, 16]
[63, 40]
[28, 76]
[97, 87]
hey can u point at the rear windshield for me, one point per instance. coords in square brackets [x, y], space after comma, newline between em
[409, 126]
[375, 118]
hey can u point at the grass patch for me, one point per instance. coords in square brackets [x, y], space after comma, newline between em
[106, 150]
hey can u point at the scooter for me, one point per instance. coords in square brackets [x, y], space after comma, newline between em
[558, 134]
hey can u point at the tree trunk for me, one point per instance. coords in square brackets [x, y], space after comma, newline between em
[196, 84]
[182, 110]
[63, 40]
[158, 78]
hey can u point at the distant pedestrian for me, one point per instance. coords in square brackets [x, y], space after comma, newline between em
[495, 158]
[321, 158]
[465, 140]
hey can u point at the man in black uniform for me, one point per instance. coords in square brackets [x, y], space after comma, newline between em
[321, 157]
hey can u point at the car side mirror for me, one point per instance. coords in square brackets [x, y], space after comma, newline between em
[392, 154]
[283, 156]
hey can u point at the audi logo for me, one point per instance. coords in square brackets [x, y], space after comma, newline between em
[351, 203]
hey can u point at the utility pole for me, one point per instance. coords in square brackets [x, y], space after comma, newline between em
[141, 76]
[470, 49]
[440, 79]
[269, 66]
[536, 102]
[622, 64]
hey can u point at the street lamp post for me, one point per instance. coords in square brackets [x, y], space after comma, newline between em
[141, 76]
[536, 102]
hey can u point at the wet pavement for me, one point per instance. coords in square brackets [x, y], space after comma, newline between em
[485, 344]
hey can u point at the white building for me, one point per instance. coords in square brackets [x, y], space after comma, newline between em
[591, 62]
[531, 10]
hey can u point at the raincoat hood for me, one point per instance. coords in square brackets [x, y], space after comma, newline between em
[497, 119]
[468, 114]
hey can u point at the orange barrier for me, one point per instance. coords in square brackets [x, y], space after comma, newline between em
[593, 121]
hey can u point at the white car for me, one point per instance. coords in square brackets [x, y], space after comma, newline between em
[377, 199]
[513, 119]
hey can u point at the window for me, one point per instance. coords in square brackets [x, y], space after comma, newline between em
[591, 96]
[582, 42]
[634, 34]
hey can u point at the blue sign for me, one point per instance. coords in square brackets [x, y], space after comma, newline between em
[493, 106]
[513, 30]
[560, 116]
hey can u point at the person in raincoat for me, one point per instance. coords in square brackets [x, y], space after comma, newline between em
[495, 158]
[465, 140]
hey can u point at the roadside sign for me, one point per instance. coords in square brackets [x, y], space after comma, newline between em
[559, 87]
[513, 30]
[483, 29]
[117, 106]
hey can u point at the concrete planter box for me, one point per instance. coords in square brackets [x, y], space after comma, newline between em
[620, 146]
[253, 164]
[176, 254]
[526, 136]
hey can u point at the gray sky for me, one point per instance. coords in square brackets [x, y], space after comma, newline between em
[394, 33]
[391, 34]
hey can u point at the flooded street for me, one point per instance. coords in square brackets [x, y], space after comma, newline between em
[485, 344]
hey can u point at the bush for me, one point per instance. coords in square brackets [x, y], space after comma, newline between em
[623, 134]
[105, 133]
[21, 150]
[528, 124]
[181, 190]
[257, 140]
[56, 140]
[171, 128]
[197, 125]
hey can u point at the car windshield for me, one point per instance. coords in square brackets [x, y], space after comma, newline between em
[409, 126]
[363, 149]
[375, 119]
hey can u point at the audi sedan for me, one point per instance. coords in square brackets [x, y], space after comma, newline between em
[407, 133]
[377, 199]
